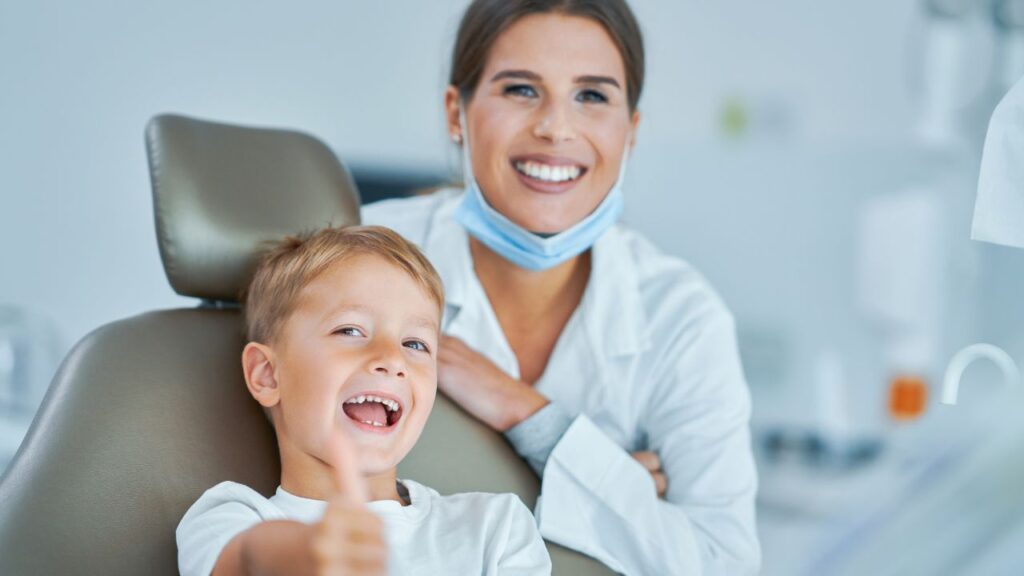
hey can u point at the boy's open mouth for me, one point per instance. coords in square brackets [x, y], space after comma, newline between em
[373, 410]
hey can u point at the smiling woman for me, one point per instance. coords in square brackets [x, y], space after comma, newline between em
[610, 367]
[578, 105]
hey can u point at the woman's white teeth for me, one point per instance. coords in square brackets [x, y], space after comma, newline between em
[391, 405]
[547, 172]
[372, 423]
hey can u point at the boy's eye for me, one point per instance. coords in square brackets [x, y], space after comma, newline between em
[417, 345]
[592, 96]
[349, 331]
[522, 90]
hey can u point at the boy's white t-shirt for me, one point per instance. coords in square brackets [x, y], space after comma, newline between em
[467, 533]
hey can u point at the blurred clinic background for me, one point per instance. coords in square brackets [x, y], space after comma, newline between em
[818, 161]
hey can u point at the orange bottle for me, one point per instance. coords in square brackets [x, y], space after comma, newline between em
[908, 397]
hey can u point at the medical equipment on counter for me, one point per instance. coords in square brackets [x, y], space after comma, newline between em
[946, 515]
[903, 267]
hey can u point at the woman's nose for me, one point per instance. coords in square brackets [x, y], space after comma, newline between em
[554, 124]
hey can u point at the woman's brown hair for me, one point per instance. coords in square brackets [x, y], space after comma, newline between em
[485, 20]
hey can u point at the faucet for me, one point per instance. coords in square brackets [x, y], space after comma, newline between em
[963, 358]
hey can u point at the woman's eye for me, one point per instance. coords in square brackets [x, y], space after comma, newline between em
[592, 96]
[522, 90]
[349, 331]
[417, 345]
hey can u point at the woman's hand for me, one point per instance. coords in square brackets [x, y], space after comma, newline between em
[651, 462]
[483, 389]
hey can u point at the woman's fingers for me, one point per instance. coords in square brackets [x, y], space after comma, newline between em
[649, 460]
[651, 463]
[660, 483]
[452, 350]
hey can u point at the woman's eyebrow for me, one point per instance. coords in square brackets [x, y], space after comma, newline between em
[525, 74]
[597, 80]
[528, 75]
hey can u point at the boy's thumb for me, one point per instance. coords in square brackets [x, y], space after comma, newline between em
[348, 478]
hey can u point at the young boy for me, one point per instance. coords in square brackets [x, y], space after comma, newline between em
[343, 329]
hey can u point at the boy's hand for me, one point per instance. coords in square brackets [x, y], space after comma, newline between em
[349, 539]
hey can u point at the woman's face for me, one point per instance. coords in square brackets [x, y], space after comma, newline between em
[549, 121]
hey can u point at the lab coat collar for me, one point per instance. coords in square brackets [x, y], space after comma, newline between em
[611, 309]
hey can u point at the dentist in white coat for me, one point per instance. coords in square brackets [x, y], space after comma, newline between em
[610, 366]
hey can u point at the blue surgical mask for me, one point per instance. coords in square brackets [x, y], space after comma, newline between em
[520, 246]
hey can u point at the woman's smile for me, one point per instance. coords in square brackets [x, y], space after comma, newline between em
[548, 174]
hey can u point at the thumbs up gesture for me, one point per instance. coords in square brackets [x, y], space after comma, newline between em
[349, 539]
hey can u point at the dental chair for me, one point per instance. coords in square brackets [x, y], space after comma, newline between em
[146, 413]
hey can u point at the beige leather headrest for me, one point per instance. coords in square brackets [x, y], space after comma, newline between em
[222, 194]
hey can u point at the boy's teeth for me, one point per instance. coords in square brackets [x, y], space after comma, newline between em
[391, 405]
[547, 172]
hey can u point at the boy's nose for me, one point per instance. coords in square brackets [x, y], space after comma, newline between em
[387, 370]
[389, 362]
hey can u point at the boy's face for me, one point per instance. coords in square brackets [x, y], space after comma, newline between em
[359, 351]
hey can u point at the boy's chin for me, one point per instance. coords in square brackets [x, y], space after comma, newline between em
[372, 469]
[393, 446]
[379, 464]
[376, 459]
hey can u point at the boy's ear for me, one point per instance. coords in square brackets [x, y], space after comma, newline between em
[260, 377]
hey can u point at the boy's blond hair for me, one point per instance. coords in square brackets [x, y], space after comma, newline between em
[291, 265]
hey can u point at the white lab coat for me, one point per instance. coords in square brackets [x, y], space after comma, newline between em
[648, 361]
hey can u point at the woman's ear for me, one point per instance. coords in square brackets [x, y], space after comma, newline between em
[451, 109]
[260, 374]
[634, 123]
